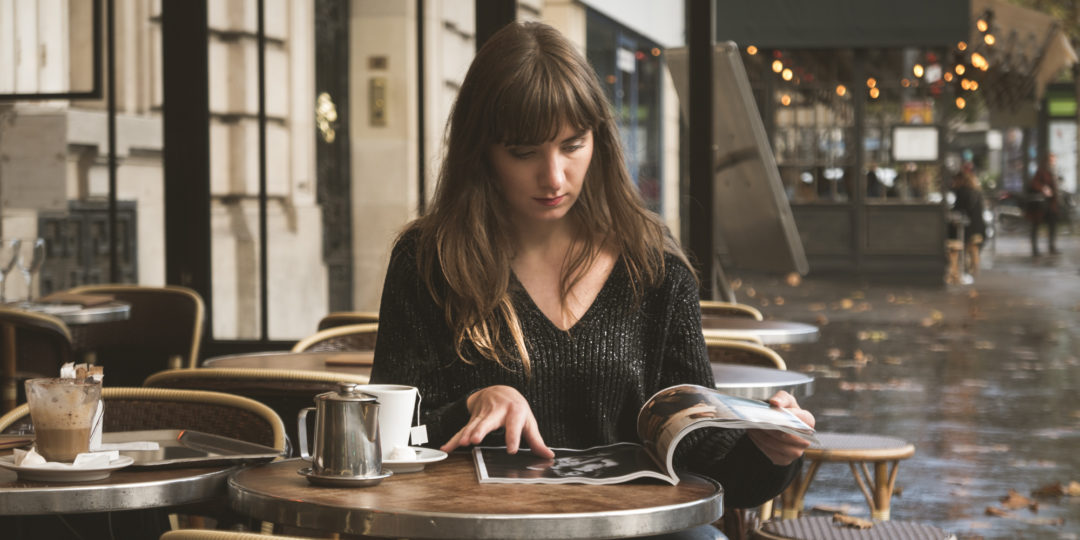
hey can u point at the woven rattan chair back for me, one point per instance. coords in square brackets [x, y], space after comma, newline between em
[345, 318]
[726, 351]
[164, 331]
[137, 409]
[729, 309]
[823, 528]
[40, 345]
[353, 337]
[285, 391]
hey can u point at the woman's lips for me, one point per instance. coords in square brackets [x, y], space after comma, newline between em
[552, 201]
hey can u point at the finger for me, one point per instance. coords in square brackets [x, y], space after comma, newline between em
[515, 422]
[806, 416]
[783, 399]
[535, 441]
[486, 425]
[453, 443]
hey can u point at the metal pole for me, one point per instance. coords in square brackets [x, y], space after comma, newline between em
[699, 28]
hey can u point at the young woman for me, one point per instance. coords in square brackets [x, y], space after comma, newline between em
[539, 303]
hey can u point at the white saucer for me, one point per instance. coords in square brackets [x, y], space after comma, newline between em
[64, 473]
[423, 457]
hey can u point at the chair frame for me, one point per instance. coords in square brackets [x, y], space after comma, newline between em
[164, 394]
[200, 311]
[253, 374]
[338, 331]
[750, 347]
[344, 318]
[735, 309]
[10, 321]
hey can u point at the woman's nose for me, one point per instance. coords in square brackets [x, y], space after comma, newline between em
[551, 175]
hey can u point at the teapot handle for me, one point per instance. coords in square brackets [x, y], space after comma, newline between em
[301, 429]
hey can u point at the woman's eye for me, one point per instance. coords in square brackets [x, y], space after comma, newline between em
[521, 154]
[572, 148]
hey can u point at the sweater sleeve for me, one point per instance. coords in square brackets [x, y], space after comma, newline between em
[411, 346]
[726, 455]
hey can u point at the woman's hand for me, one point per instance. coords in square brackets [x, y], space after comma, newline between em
[500, 406]
[782, 448]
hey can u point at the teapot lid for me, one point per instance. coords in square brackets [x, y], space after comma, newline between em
[347, 392]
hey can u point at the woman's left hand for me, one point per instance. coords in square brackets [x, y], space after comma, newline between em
[782, 448]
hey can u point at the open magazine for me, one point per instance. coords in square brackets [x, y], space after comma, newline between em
[663, 421]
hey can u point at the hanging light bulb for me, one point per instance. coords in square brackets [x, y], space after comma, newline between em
[960, 69]
[982, 25]
[874, 93]
[905, 83]
[965, 84]
[973, 86]
[751, 50]
[961, 103]
[785, 100]
[786, 74]
[777, 66]
[871, 82]
[948, 76]
[962, 46]
[841, 90]
[918, 70]
[989, 39]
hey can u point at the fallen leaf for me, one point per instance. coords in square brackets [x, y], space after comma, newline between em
[973, 293]
[1049, 490]
[999, 512]
[794, 279]
[852, 522]
[751, 292]
[860, 358]
[928, 322]
[890, 298]
[1014, 500]
[1074, 489]
[833, 354]
[818, 306]
[847, 303]
[779, 300]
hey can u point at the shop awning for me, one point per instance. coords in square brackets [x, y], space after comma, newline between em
[1029, 50]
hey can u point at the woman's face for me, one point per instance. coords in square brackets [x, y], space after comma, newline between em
[541, 182]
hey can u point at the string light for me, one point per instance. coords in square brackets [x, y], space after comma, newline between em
[982, 25]
[777, 66]
[965, 84]
[905, 83]
[961, 103]
[962, 46]
[918, 70]
[785, 100]
[786, 74]
[751, 50]
[989, 39]
[948, 76]
[960, 69]
[655, 51]
[841, 90]
[973, 86]
[874, 93]
[871, 82]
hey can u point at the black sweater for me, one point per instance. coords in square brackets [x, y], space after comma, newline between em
[587, 384]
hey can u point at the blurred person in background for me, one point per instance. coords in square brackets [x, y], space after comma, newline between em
[1042, 203]
[969, 202]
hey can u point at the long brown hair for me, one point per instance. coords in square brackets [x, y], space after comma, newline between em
[525, 83]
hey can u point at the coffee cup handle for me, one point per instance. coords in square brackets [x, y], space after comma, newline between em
[301, 431]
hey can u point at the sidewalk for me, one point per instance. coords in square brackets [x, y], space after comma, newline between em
[982, 378]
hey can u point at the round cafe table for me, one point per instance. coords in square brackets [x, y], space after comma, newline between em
[445, 500]
[351, 362]
[755, 382]
[770, 332]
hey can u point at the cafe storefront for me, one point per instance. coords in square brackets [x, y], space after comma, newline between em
[859, 103]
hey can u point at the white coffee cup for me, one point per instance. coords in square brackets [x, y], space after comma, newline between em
[397, 409]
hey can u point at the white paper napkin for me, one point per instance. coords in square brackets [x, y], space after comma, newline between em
[86, 460]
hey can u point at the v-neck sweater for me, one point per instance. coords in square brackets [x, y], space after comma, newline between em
[587, 383]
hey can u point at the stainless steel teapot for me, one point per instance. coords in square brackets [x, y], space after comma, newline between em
[346, 434]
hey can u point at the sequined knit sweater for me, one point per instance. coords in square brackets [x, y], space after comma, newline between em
[587, 384]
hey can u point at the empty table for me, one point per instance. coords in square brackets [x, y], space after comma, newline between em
[351, 362]
[756, 382]
[770, 332]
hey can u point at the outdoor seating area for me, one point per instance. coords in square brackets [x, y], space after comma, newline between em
[538, 269]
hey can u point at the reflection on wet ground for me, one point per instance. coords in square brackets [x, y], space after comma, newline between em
[983, 379]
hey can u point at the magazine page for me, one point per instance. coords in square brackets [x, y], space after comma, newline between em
[675, 411]
[610, 464]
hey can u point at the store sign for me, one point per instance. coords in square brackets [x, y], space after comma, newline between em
[624, 60]
[915, 143]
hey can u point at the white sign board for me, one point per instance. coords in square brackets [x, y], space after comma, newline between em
[915, 143]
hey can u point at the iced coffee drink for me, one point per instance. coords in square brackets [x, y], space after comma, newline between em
[62, 411]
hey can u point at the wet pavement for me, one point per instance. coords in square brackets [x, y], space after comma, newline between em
[983, 379]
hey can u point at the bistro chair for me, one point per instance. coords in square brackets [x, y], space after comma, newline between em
[823, 528]
[353, 337]
[343, 318]
[729, 309]
[164, 331]
[207, 534]
[31, 345]
[138, 409]
[729, 351]
[283, 390]
[858, 450]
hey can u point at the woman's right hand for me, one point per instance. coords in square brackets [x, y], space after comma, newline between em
[500, 406]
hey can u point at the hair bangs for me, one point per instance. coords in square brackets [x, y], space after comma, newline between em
[532, 108]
